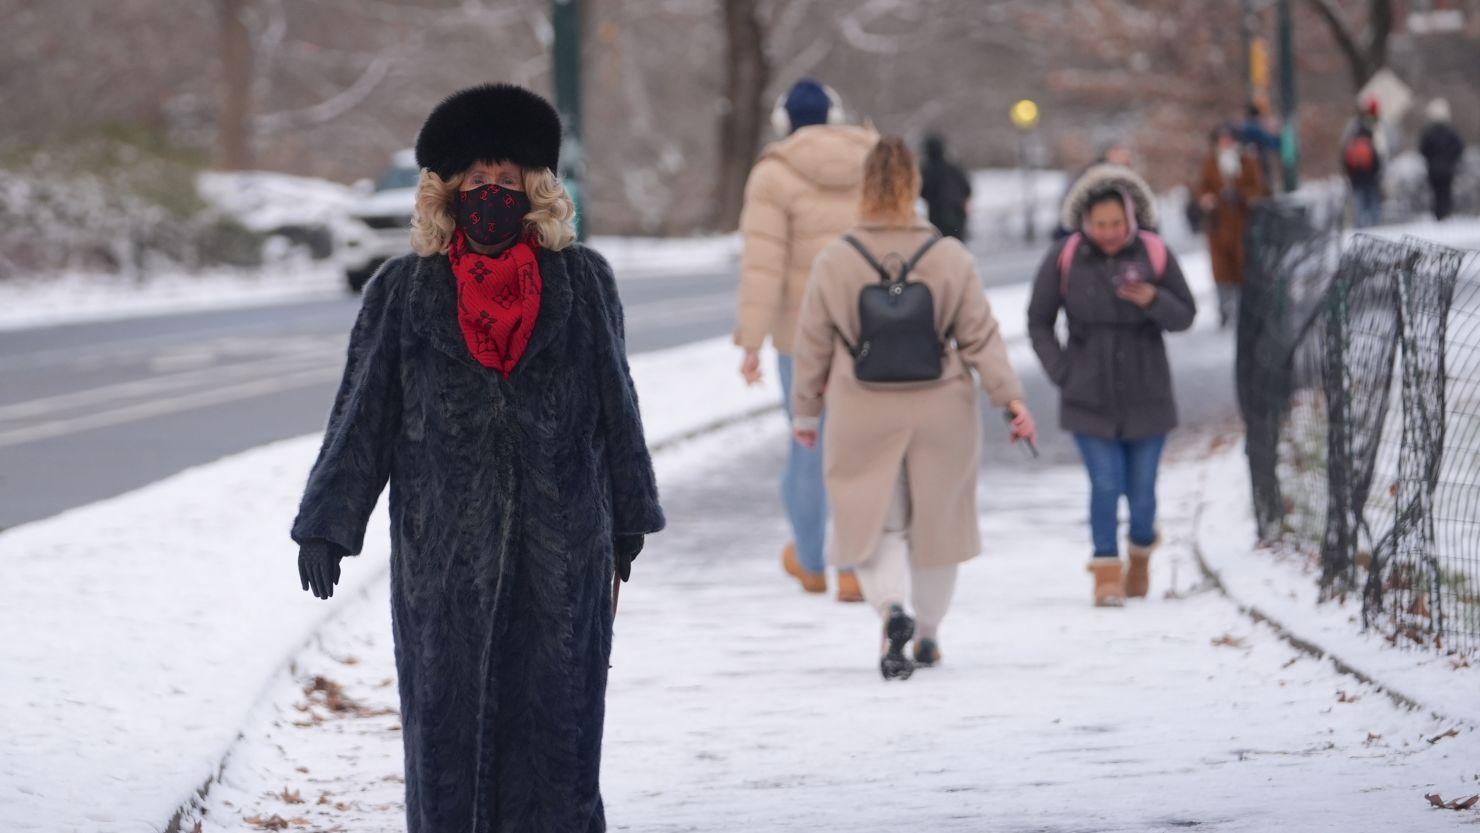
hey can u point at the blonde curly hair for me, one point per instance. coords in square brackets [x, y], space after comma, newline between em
[891, 181]
[552, 215]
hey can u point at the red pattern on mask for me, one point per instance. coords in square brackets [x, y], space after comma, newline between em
[498, 301]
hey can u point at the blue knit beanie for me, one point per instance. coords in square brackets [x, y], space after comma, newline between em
[807, 103]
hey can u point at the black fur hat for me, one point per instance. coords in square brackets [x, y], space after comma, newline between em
[489, 123]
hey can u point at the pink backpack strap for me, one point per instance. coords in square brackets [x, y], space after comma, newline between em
[1066, 260]
[1156, 249]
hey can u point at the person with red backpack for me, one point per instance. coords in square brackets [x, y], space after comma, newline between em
[1364, 150]
[1121, 290]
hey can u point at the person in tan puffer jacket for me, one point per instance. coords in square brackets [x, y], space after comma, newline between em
[801, 195]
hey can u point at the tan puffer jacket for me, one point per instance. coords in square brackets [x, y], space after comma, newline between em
[801, 195]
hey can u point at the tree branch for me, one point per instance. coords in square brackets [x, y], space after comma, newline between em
[1341, 31]
[330, 108]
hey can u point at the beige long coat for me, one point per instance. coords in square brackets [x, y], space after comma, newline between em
[932, 430]
[801, 195]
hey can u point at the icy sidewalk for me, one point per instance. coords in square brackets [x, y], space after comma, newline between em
[737, 703]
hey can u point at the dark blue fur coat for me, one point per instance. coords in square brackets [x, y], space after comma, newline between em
[504, 500]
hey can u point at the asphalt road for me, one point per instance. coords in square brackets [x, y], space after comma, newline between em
[91, 410]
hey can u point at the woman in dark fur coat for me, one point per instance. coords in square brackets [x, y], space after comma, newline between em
[487, 381]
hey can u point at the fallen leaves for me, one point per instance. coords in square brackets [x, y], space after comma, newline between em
[327, 695]
[1449, 734]
[1457, 804]
[1228, 640]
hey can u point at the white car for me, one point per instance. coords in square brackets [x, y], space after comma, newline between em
[379, 227]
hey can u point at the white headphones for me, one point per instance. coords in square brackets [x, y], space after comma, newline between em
[781, 120]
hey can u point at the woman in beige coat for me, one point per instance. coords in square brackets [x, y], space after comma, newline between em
[901, 461]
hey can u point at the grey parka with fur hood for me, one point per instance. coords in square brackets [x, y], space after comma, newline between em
[1113, 377]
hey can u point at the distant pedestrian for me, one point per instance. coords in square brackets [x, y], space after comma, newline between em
[1364, 155]
[1230, 185]
[487, 382]
[1442, 149]
[946, 189]
[899, 385]
[1121, 290]
[802, 194]
[1260, 136]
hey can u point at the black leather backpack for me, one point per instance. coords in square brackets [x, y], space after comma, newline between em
[897, 341]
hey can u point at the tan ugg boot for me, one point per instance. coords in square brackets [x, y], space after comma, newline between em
[811, 582]
[1138, 577]
[1109, 582]
[848, 588]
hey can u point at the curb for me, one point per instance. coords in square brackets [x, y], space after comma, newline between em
[1295, 640]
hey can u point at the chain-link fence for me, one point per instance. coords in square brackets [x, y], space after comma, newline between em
[1359, 382]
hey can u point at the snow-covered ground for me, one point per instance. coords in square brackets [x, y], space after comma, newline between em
[1284, 590]
[137, 635]
[137, 632]
[738, 703]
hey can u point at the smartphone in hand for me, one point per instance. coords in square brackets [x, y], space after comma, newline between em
[1030, 446]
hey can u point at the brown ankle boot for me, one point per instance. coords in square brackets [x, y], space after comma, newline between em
[811, 582]
[1138, 577]
[848, 588]
[1109, 582]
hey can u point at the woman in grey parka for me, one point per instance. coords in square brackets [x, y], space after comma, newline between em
[1120, 289]
[487, 381]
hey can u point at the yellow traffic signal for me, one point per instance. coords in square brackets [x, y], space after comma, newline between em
[1025, 114]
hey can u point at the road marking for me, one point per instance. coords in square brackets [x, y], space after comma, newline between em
[161, 384]
[162, 407]
[682, 311]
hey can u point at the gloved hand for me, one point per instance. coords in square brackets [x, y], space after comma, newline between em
[626, 548]
[318, 567]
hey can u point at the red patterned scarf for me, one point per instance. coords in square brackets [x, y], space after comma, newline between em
[498, 301]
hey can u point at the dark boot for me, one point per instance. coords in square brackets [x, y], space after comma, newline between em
[897, 633]
[927, 653]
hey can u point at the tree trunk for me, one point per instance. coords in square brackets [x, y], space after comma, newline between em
[233, 125]
[746, 76]
[1363, 59]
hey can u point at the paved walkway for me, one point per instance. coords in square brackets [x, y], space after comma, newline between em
[737, 703]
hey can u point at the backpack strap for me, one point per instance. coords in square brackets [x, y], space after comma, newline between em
[1156, 251]
[909, 265]
[1066, 260]
[884, 275]
[919, 255]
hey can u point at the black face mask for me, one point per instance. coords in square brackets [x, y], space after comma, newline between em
[490, 215]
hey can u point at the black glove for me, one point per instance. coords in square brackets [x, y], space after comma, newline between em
[626, 548]
[318, 567]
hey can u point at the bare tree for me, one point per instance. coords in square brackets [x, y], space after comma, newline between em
[233, 128]
[1367, 52]
[746, 74]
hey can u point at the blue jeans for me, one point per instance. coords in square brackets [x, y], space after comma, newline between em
[803, 492]
[1116, 468]
[1368, 205]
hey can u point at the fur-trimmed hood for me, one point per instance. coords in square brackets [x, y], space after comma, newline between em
[1122, 179]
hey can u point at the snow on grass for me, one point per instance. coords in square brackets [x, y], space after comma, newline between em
[738, 703]
[81, 297]
[1287, 591]
[264, 201]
